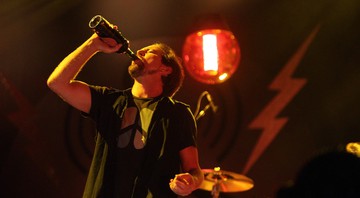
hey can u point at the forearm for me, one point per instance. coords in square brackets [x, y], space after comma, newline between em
[62, 80]
[190, 165]
[70, 66]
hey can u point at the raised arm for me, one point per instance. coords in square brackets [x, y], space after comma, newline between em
[62, 79]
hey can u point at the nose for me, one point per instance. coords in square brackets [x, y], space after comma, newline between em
[140, 52]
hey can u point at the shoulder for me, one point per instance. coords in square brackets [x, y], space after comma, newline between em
[176, 107]
[176, 103]
[102, 96]
[107, 92]
[173, 104]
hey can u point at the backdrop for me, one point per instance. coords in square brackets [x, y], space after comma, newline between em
[295, 93]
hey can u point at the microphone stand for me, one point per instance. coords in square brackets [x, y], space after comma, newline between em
[200, 113]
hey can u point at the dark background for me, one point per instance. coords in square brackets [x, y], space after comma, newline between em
[46, 147]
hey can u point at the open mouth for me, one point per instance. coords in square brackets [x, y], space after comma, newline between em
[138, 62]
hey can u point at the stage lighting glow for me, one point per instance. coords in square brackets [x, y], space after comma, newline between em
[211, 54]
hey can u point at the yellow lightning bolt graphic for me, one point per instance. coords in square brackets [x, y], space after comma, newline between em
[288, 87]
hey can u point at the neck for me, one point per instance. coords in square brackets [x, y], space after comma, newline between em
[146, 90]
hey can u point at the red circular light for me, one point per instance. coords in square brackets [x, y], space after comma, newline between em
[211, 56]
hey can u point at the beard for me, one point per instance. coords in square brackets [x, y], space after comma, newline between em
[136, 69]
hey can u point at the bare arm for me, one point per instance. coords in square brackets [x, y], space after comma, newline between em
[62, 80]
[184, 183]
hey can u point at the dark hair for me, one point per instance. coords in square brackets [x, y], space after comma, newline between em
[173, 81]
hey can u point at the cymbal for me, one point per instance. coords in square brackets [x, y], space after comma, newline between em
[228, 181]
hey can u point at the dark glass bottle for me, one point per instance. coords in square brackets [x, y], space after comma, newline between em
[103, 28]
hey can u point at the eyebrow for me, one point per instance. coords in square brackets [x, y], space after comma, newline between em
[159, 49]
[156, 48]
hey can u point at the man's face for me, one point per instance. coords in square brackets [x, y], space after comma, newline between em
[149, 63]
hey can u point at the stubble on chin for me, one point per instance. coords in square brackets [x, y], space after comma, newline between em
[135, 70]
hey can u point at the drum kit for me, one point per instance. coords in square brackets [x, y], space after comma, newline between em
[217, 181]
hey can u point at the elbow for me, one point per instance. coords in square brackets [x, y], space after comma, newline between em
[51, 83]
[54, 84]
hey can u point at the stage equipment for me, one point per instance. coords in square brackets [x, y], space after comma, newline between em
[106, 30]
[211, 52]
[353, 147]
[198, 114]
[216, 181]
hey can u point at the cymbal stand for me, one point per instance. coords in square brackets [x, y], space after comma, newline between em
[215, 192]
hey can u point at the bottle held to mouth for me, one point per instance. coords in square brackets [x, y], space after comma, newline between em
[103, 28]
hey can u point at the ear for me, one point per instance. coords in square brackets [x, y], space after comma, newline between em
[165, 70]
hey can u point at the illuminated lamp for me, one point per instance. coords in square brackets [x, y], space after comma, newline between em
[211, 53]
